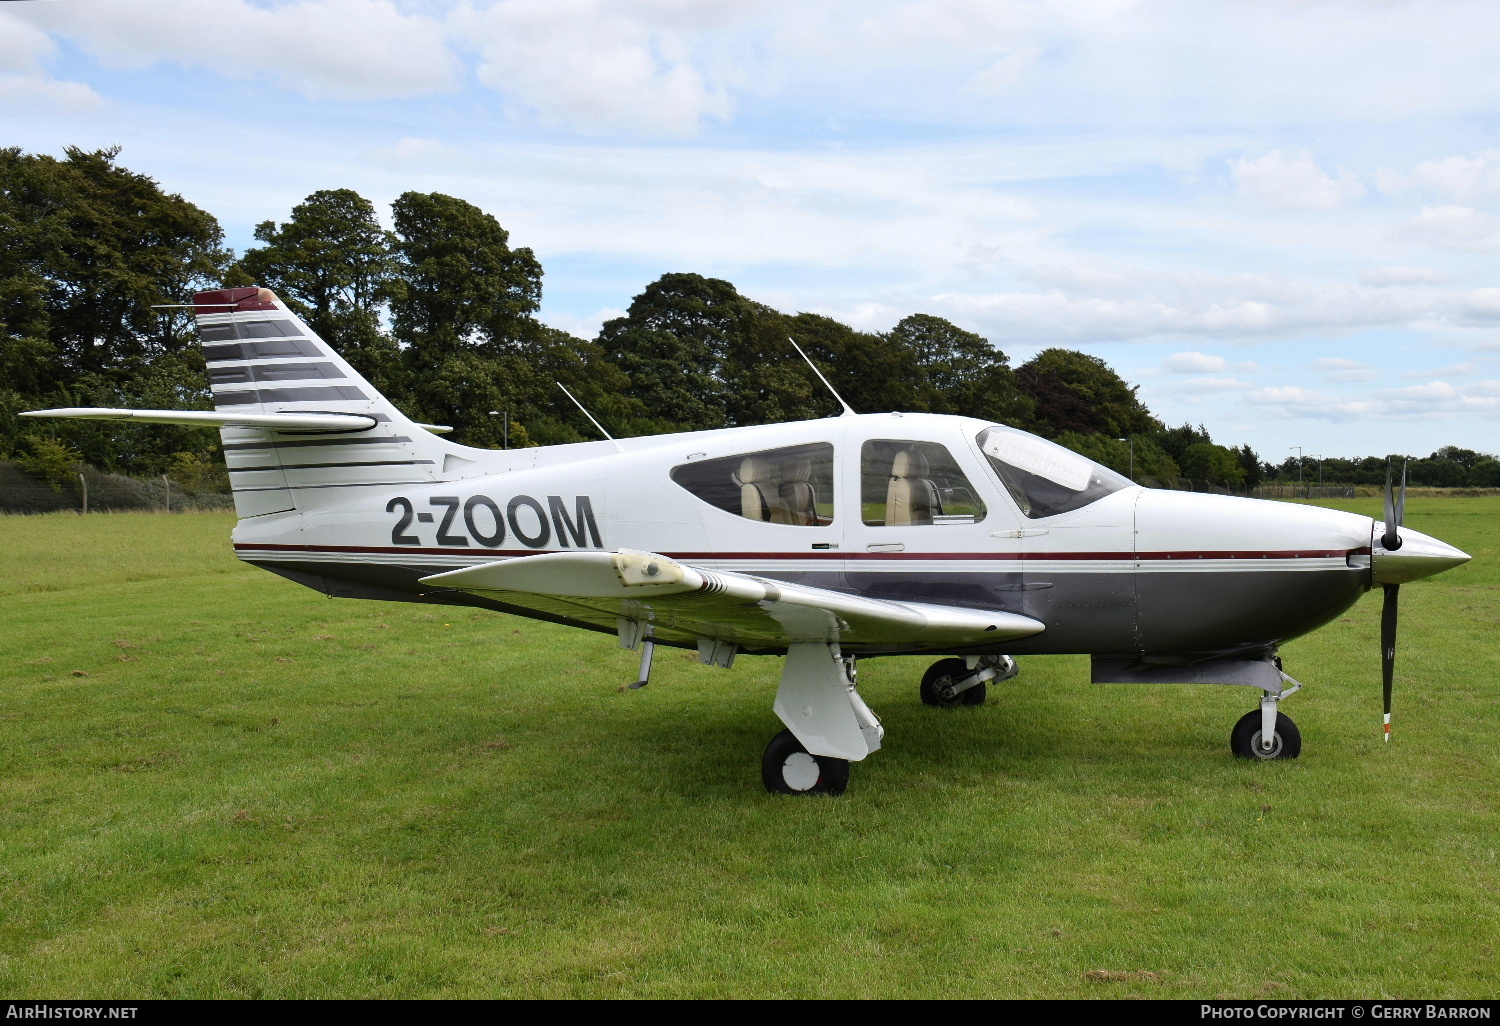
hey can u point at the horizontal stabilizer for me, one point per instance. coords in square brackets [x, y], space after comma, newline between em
[685, 602]
[201, 418]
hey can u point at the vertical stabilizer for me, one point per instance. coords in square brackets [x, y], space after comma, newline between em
[263, 359]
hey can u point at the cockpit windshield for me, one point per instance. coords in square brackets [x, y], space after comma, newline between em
[1044, 478]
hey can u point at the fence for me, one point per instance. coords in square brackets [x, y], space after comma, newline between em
[96, 491]
[1306, 491]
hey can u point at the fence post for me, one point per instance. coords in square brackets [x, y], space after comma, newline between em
[83, 483]
[167, 481]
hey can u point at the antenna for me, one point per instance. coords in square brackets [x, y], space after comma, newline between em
[590, 416]
[848, 412]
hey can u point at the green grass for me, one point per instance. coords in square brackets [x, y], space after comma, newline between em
[216, 783]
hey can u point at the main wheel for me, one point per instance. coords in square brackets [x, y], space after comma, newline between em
[1244, 740]
[787, 768]
[944, 673]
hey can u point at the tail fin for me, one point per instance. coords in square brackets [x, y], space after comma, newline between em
[263, 360]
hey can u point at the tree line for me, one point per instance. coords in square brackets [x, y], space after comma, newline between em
[440, 313]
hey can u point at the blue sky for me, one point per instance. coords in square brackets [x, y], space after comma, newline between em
[1280, 217]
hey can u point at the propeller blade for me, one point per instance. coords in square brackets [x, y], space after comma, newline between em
[1401, 498]
[1392, 539]
[1388, 649]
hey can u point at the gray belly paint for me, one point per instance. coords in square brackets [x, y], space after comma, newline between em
[1085, 613]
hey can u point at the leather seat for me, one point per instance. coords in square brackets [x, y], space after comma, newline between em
[910, 498]
[755, 480]
[798, 500]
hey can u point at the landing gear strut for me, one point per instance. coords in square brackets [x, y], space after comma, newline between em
[952, 682]
[828, 724]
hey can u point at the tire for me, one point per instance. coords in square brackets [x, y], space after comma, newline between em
[1244, 740]
[787, 768]
[939, 674]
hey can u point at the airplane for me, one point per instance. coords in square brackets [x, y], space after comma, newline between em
[824, 541]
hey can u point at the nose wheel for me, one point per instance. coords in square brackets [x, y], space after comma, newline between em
[1248, 739]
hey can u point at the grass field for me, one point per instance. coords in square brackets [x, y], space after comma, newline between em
[216, 783]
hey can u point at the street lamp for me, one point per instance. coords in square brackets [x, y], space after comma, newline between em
[1131, 440]
[1299, 461]
[505, 427]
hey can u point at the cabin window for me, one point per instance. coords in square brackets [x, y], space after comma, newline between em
[1044, 478]
[791, 486]
[905, 483]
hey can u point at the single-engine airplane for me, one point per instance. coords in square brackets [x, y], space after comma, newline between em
[822, 540]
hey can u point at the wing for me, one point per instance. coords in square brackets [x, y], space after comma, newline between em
[683, 603]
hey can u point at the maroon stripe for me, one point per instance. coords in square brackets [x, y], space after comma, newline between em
[836, 555]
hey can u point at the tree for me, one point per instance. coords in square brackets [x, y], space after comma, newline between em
[89, 248]
[459, 285]
[675, 342]
[1077, 392]
[1485, 474]
[1212, 464]
[960, 372]
[332, 263]
[1250, 464]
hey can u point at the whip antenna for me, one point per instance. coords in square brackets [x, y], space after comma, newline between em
[848, 411]
[590, 416]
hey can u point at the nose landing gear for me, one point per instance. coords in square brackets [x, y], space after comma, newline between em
[952, 682]
[1267, 733]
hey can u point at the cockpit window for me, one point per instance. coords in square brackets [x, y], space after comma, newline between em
[1044, 478]
[792, 486]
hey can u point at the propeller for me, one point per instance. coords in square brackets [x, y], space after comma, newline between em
[1395, 510]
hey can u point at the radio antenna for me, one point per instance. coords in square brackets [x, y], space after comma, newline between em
[848, 411]
[590, 416]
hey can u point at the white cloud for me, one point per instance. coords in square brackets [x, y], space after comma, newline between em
[590, 66]
[1462, 179]
[1002, 76]
[1334, 368]
[1481, 306]
[365, 49]
[1193, 362]
[1457, 370]
[1380, 276]
[1294, 401]
[1292, 181]
[1454, 228]
[1442, 399]
[24, 82]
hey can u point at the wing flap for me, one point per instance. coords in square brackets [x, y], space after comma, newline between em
[683, 602]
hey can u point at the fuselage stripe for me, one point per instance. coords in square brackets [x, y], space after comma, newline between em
[835, 556]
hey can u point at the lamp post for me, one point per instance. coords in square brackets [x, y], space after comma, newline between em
[504, 428]
[1131, 440]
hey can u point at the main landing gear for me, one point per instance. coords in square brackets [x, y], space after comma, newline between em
[828, 724]
[1268, 733]
[953, 682]
[788, 768]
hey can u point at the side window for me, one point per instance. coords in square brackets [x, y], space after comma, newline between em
[904, 483]
[779, 486]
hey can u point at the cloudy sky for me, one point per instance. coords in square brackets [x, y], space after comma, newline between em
[1280, 217]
